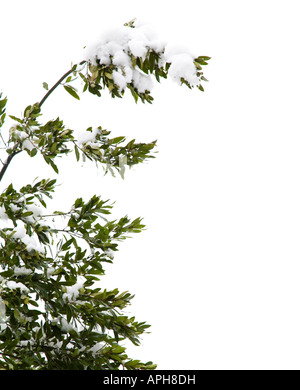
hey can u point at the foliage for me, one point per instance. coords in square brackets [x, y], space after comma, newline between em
[53, 314]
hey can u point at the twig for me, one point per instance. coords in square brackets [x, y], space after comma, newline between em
[57, 84]
[8, 161]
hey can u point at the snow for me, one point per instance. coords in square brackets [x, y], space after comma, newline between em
[21, 135]
[22, 271]
[121, 59]
[31, 242]
[88, 138]
[20, 231]
[115, 46]
[3, 215]
[110, 253]
[97, 347]
[138, 48]
[182, 63]
[36, 210]
[2, 311]
[72, 292]
[18, 134]
[66, 326]
[172, 49]
[28, 145]
[50, 271]
[120, 79]
[15, 208]
[141, 81]
[182, 66]
[13, 285]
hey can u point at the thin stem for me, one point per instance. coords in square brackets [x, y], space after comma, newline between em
[57, 84]
[3, 140]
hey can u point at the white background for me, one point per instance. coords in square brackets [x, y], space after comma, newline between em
[216, 273]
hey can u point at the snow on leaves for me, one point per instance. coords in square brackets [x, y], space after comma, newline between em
[127, 57]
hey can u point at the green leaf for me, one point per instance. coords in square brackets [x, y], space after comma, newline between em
[53, 147]
[50, 162]
[117, 140]
[133, 61]
[118, 349]
[33, 152]
[108, 75]
[152, 61]
[202, 60]
[16, 119]
[72, 91]
[78, 202]
[2, 109]
[27, 214]
[77, 153]
[45, 85]
[83, 77]
[2, 103]
[67, 245]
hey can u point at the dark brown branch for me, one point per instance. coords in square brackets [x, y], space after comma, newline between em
[8, 161]
[57, 84]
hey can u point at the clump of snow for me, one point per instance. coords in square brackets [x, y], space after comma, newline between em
[66, 326]
[24, 343]
[137, 47]
[22, 271]
[15, 208]
[36, 210]
[13, 285]
[72, 292]
[28, 142]
[20, 231]
[3, 215]
[32, 243]
[121, 78]
[17, 134]
[141, 81]
[88, 138]
[110, 253]
[116, 46]
[50, 271]
[182, 66]
[2, 311]
[172, 49]
[97, 347]
[121, 58]
[28, 145]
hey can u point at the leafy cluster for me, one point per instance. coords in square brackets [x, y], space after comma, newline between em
[53, 139]
[55, 316]
[112, 152]
[53, 312]
[99, 77]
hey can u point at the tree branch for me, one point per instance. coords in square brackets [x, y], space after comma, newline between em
[8, 161]
[15, 152]
[57, 84]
